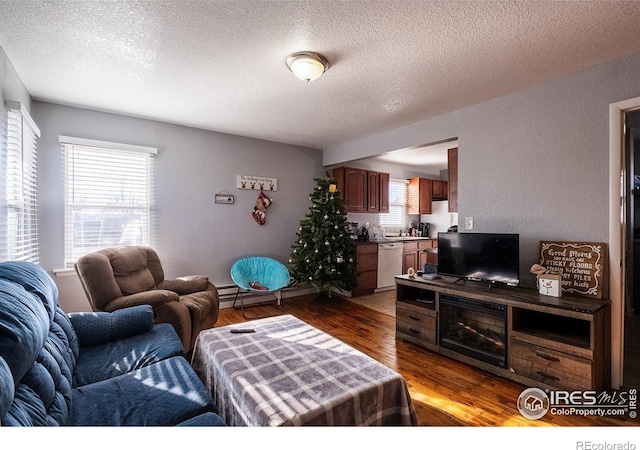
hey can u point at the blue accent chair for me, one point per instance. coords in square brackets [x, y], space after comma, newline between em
[260, 275]
[89, 369]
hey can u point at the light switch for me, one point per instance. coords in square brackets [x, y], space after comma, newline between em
[468, 223]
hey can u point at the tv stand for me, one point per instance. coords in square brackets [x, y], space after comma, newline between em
[495, 285]
[549, 342]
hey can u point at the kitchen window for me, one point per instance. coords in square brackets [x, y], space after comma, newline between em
[108, 195]
[397, 215]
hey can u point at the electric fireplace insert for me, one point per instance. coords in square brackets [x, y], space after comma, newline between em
[474, 329]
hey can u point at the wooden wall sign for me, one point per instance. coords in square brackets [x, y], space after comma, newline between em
[581, 264]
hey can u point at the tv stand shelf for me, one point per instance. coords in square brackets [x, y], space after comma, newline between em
[551, 342]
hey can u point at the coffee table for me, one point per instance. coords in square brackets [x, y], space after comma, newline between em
[290, 373]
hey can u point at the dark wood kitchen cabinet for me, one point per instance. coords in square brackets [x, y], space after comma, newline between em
[384, 192]
[452, 157]
[352, 184]
[431, 254]
[420, 192]
[439, 190]
[363, 190]
[366, 268]
[409, 256]
[373, 191]
[428, 252]
[418, 252]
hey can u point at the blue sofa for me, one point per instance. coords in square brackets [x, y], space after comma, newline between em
[89, 369]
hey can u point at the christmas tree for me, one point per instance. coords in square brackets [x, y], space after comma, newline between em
[324, 254]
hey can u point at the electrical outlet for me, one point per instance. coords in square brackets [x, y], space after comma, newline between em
[468, 223]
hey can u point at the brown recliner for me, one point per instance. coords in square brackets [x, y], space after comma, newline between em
[116, 278]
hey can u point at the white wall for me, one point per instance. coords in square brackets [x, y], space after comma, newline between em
[440, 218]
[195, 235]
[394, 170]
[535, 162]
[12, 87]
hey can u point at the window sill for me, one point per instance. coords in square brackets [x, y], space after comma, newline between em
[64, 272]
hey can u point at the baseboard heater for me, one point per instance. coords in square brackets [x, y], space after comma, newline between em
[227, 290]
[227, 293]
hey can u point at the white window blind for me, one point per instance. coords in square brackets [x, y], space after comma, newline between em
[397, 215]
[19, 196]
[108, 195]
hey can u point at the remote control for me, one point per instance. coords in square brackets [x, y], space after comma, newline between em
[243, 330]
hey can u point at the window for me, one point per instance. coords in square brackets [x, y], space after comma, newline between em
[19, 192]
[397, 216]
[108, 195]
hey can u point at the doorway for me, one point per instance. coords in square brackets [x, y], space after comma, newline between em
[617, 232]
[631, 338]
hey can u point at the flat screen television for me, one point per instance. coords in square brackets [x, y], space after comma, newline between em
[490, 257]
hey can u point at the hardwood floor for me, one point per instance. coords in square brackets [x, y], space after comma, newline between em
[444, 392]
[384, 302]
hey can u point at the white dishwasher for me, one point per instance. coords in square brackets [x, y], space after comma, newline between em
[389, 263]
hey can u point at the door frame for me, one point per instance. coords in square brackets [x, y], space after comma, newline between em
[617, 233]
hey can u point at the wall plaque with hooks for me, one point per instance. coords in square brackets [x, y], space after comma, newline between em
[257, 183]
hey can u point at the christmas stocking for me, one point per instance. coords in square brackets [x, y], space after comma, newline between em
[260, 210]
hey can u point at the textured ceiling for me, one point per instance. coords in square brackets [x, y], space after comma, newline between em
[220, 65]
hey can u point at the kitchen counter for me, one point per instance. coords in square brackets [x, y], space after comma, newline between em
[379, 261]
[399, 239]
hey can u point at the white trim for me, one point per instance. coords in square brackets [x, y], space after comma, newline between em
[106, 144]
[616, 235]
[64, 272]
[18, 106]
[105, 182]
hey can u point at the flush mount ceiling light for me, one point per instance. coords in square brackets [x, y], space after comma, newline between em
[307, 66]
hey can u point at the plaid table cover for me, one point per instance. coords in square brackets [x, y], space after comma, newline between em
[290, 373]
